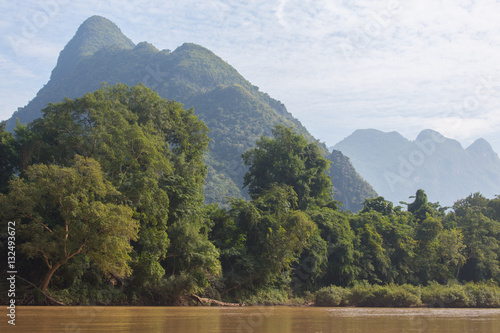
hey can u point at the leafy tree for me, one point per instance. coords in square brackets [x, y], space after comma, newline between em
[451, 253]
[372, 257]
[261, 240]
[8, 157]
[65, 211]
[427, 233]
[475, 217]
[150, 149]
[336, 231]
[288, 159]
[420, 207]
[378, 204]
[481, 238]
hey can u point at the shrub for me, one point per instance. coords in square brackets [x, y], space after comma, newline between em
[331, 296]
[483, 295]
[400, 296]
[450, 296]
[268, 297]
[385, 296]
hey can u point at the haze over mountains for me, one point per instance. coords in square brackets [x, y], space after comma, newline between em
[397, 167]
[236, 111]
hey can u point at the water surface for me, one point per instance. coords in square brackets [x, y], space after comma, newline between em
[252, 320]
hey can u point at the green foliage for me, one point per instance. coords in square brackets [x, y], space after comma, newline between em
[151, 150]
[288, 159]
[143, 161]
[267, 297]
[261, 240]
[364, 294]
[340, 253]
[452, 295]
[65, 211]
[378, 204]
[331, 296]
[348, 186]
[8, 157]
[237, 112]
[483, 295]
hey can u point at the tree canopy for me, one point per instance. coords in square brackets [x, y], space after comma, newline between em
[107, 194]
[65, 211]
[288, 159]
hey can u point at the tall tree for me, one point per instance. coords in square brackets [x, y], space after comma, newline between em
[150, 149]
[65, 211]
[261, 240]
[289, 159]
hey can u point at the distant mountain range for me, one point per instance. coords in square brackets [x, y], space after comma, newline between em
[236, 111]
[397, 167]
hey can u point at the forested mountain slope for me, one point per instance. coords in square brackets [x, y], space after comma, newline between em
[236, 112]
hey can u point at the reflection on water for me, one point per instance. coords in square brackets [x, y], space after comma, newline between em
[252, 320]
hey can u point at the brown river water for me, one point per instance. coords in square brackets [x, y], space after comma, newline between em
[81, 319]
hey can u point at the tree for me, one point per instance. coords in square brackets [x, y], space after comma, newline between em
[339, 237]
[288, 159]
[149, 148]
[476, 218]
[372, 256]
[8, 157]
[65, 211]
[261, 240]
[378, 204]
[481, 237]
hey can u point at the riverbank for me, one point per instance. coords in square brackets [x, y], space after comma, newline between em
[470, 295]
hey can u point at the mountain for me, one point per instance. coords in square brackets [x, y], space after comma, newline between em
[236, 111]
[398, 167]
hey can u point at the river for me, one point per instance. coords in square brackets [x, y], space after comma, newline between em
[80, 319]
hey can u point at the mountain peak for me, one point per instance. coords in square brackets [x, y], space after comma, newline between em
[94, 34]
[483, 148]
[429, 134]
[371, 136]
[437, 137]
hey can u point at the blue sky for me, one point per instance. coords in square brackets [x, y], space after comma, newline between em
[337, 65]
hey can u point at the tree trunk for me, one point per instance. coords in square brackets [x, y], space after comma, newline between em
[48, 276]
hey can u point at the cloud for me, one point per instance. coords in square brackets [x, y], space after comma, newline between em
[337, 65]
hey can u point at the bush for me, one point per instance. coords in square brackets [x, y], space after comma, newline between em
[268, 297]
[400, 296]
[449, 296]
[364, 294]
[454, 295]
[385, 296]
[331, 296]
[483, 295]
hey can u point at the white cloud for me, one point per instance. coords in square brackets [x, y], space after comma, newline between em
[337, 65]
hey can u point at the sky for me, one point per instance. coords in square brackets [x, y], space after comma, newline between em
[338, 66]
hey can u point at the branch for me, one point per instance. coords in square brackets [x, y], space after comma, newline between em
[80, 250]
[44, 293]
[46, 259]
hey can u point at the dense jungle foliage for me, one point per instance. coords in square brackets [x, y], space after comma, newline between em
[107, 194]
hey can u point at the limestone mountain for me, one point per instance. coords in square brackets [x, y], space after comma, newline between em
[236, 111]
[398, 167]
